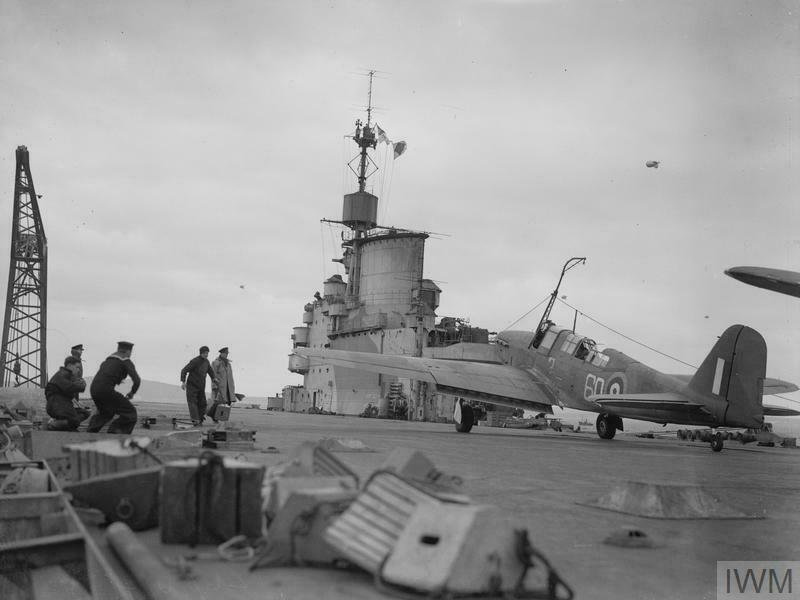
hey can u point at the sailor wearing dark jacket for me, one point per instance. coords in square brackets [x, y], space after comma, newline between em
[193, 380]
[110, 402]
[59, 391]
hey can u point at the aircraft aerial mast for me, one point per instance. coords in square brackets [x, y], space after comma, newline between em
[572, 262]
[23, 356]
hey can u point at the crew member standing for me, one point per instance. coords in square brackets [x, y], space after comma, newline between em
[60, 392]
[193, 380]
[109, 402]
[223, 389]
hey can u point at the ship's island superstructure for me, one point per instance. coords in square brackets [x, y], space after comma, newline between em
[384, 305]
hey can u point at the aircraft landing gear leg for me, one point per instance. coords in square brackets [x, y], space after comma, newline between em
[467, 417]
[606, 426]
[716, 442]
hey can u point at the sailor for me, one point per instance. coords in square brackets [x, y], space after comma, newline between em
[60, 391]
[193, 380]
[109, 402]
[17, 369]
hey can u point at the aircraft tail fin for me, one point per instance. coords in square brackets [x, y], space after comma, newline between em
[734, 371]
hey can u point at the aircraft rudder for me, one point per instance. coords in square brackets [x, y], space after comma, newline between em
[734, 371]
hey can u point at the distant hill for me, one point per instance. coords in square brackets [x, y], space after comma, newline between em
[149, 391]
[152, 391]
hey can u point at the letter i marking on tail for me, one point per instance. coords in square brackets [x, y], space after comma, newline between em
[718, 376]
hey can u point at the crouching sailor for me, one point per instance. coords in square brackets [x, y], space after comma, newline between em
[109, 402]
[60, 391]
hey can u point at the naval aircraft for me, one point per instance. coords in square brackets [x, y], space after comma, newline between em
[553, 365]
[777, 280]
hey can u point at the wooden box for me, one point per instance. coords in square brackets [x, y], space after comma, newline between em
[105, 456]
[130, 496]
[210, 499]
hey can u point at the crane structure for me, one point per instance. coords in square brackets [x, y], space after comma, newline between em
[23, 356]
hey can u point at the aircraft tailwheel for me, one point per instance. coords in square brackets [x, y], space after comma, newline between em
[606, 426]
[717, 442]
[467, 419]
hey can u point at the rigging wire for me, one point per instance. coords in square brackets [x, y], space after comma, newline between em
[386, 183]
[583, 314]
[322, 243]
[785, 398]
[545, 299]
[390, 174]
[336, 247]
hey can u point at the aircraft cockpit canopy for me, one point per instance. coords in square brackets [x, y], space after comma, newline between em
[548, 335]
[585, 349]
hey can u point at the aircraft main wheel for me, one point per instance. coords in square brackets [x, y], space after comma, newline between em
[717, 442]
[467, 419]
[606, 428]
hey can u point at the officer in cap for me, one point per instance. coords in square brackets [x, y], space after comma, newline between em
[222, 388]
[109, 402]
[75, 352]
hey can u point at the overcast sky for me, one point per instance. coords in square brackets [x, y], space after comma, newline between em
[186, 152]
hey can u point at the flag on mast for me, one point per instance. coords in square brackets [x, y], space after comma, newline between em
[399, 148]
[382, 137]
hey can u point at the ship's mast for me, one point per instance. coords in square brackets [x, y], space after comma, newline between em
[365, 138]
[360, 209]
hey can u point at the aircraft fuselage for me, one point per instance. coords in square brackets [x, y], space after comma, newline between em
[577, 372]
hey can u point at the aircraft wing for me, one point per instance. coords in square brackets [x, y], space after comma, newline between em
[779, 411]
[772, 385]
[649, 407]
[486, 382]
[777, 280]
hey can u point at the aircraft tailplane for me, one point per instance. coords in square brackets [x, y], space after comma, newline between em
[734, 371]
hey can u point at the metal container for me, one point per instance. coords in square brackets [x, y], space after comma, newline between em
[300, 336]
[360, 208]
[334, 286]
[298, 364]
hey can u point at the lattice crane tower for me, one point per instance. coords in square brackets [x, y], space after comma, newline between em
[23, 356]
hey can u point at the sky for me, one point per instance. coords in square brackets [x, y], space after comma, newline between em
[186, 153]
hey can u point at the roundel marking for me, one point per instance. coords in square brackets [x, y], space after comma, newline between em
[616, 385]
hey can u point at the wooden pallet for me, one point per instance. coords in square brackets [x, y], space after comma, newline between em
[45, 551]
